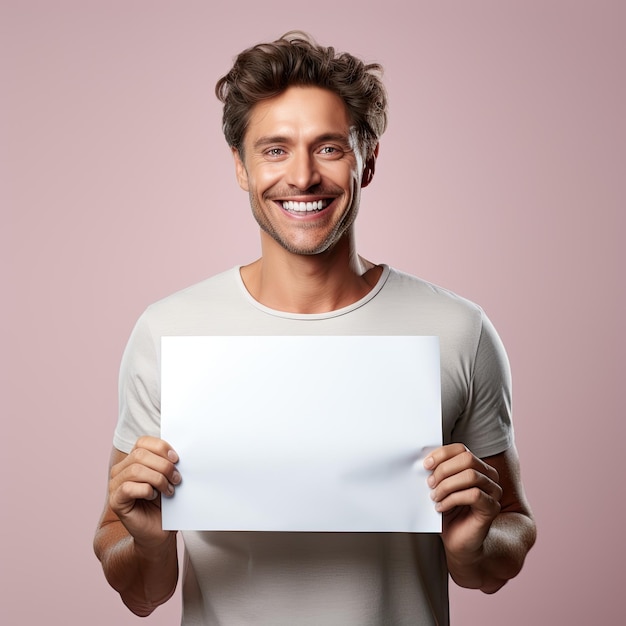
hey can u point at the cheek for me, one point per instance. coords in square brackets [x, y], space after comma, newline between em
[343, 175]
[264, 180]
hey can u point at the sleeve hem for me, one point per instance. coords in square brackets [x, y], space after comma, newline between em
[123, 445]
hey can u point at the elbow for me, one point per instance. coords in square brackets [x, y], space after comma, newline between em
[507, 552]
[512, 566]
[489, 583]
[486, 584]
[142, 606]
[494, 586]
[140, 610]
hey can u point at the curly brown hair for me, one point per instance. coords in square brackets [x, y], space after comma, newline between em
[268, 69]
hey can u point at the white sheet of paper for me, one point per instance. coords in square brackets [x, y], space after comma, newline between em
[299, 433]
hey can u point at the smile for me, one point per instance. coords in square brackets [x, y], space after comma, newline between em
[305, 207]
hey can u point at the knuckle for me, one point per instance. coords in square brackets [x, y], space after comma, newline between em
[457, 449]
[475, 495]
[491, 472]
[469, 476]
[467, 457]
[476, 477]
[139, 453]
[143, 442]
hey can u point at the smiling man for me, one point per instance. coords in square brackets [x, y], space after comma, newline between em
[304, 124]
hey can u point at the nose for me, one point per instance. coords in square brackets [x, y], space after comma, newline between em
[302, 170]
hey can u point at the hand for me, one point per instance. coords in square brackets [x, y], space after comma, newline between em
[467, 491]
[137, 482]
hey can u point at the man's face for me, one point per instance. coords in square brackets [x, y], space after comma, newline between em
[302, 168]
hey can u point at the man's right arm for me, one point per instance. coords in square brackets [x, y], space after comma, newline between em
[138, 557]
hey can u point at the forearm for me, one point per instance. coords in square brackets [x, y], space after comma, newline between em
[500, 557]
[144, 578]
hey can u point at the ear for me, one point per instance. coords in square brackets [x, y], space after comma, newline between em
[240, 170]
[370, 168]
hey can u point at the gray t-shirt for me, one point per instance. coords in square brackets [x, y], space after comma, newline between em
[343, 579]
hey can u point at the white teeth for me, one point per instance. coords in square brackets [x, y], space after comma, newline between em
[302, 207]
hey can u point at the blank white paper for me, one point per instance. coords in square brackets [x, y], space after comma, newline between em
[299, 433]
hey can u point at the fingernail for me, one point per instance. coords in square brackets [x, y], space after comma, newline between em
[431, 481]
[428, 462]
[172, 456]
[176, 477]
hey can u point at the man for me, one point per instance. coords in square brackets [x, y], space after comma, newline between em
[303, 124]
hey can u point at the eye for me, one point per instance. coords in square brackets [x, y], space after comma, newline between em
[332, 152]
[275, 152]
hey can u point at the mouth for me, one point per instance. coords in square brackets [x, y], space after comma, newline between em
[304, 207]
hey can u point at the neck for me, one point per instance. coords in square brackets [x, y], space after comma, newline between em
[315, 283]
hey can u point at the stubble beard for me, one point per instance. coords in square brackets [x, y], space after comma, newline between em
[339, 229]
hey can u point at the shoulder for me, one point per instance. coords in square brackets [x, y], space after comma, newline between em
[186, 311]
[219, 284]
[418, 296]
[419, 287]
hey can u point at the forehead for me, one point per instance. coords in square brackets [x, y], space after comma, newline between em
[299, 112]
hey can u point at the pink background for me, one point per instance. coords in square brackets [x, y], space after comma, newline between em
[498, 178]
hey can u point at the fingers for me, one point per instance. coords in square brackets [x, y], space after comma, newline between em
[459, 478]
[148, 470]
[152, 453]
[473, 490]
[129, 491]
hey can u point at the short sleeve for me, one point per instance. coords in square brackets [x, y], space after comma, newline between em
[139, 389]
[485, 425]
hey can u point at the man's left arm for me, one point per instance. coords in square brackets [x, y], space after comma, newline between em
[488, 527]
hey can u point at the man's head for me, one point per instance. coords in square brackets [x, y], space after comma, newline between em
[269, 69]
